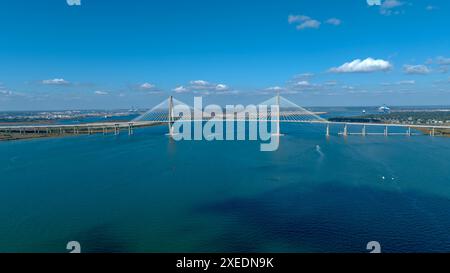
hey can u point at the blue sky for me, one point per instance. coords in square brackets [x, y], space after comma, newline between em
[118, 54]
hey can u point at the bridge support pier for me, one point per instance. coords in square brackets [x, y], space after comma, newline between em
[116, 129]
[386, 131]
[328, 130]
[408, 133]
[130, 129]
[345, 130]
[364, 133]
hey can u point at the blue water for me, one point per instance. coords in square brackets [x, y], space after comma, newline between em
[146, 193]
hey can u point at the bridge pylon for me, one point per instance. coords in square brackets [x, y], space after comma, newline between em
[278, 116]
[170, 117]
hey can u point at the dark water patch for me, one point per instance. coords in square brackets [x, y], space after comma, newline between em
[104, 239]
[336, 218]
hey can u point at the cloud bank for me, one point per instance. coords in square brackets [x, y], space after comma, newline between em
[416, 69]
[363, 66]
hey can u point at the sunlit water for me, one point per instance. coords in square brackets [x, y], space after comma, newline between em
[146, 193]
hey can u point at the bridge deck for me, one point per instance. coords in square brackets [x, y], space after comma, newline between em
[126, 124]
[81, 125]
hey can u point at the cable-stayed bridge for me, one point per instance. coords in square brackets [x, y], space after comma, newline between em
[277, 109]
[288, 112]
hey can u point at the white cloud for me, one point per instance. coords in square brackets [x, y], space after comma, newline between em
[221, 87]
[374, 2]
[304, 76]
[388, 7]
[309, 24]
[73, 2]
[443, 61]
[275, 88]
[303, 21]
[416, 69]
[55, 82]
[348, 87]
[367, 65]
[303, 83]
[199, 83]
[300, 84]
[180, 89]
[101, 93]
[207, 86]
[204, 87]
[297, 18]
[6, 92]
[147, 86]
[334, 21]
[444, 64]
[390, 4]
[271, 90]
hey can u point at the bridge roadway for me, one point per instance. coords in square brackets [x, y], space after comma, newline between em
[116, 127]
[83, 128]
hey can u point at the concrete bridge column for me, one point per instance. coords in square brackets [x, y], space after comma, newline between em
[363, 131]
[345, 130]
[328, 130]
[386, 131]
[130, 129]
[170, 116]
